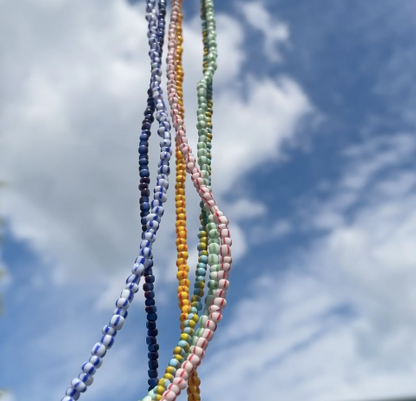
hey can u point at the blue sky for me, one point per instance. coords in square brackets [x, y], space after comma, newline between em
[313, 161]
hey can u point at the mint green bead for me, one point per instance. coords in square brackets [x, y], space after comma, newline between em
[211, 226]
[202, 152]
[213, 260]
[202, 160]
[213, 234]
[199, 332]
[212, 284]
[214, 248]
[213, 275]
[215, 268]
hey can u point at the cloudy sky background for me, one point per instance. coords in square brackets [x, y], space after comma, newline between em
[313, 161]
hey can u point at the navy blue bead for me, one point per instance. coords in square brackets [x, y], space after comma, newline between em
[149, 279]
[152, 373]
[149, 302]
[145, 206]
[149, 294]
[151, 309]
[152, 333]
[150, 340]
[151, 325]
[148, 286]
[153, 347]
[152, 316]
[153, 365]
[153, 355]
[152, 383]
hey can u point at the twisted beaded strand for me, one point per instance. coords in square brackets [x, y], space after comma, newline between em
[156, 32]
[85, 378]
[208, 323]
[204, 160]
[175, 87]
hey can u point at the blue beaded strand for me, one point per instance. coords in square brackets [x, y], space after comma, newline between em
[156, 32]
[153, 218]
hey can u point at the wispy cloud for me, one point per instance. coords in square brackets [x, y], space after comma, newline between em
[338, 322]
[275, 32]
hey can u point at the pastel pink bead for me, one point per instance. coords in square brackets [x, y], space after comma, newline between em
[198, 351]
[207, 334]
[194, 359]
[219, 293]
[211, 325]
[225, 250]
[182, 373]
[188, 366]
[173, 387]
[169, 396]
[221, 302]
[215, 316]
[201, 342]
[214, 308]
[222, 274]
[226, 267]
[181, 383]
[223, 284]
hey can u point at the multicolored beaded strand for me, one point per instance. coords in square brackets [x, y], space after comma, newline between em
[208, 323]
[204, 127]
[85, 378]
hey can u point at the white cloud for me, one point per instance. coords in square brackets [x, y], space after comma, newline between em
[75, 76]
[339, 322]
[275, 32]
[244, 209]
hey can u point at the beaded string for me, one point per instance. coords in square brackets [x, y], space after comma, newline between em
[181, 232]
[221, 262]
[204, 127]
[80, 384]
[148, 286]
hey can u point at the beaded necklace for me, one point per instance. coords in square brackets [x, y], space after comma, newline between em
[215, 242]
